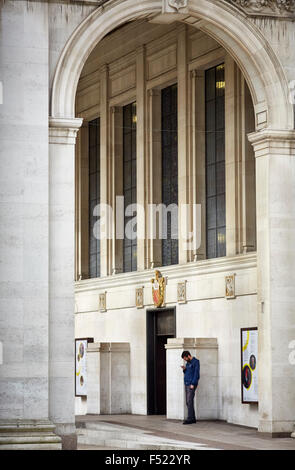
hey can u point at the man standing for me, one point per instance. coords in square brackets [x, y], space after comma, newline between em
[191, 379]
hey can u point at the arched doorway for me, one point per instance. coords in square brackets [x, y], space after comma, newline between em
[261, 68]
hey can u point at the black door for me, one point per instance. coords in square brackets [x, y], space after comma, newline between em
[161, 325]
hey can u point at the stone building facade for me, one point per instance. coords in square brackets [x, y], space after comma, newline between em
[160, 101]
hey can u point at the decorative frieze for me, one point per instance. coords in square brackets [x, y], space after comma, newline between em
[181, 292]
[139, 297]
[285, 8]
[230, 287]
[102, 302]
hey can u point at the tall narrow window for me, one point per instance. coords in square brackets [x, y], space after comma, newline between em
[215, 162]
[169, 172]
[129, 187]
[94, 196]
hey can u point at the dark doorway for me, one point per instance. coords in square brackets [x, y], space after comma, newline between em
[161, 325]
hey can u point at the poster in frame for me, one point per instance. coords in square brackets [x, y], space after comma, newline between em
[80, 366]
[249, 365]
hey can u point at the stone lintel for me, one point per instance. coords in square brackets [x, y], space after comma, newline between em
[93, 347]
[114, 347]
[191, 343]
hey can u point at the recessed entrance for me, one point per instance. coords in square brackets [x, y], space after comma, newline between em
[161, 325]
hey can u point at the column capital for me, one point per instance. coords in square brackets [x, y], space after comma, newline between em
[64, 130]
[273, 142]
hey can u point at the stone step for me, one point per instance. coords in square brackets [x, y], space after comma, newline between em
[107, 435]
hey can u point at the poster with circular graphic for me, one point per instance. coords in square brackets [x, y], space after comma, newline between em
[80, 369]
[249, 375]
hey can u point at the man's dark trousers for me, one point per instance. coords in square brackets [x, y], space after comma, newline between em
[190, 395]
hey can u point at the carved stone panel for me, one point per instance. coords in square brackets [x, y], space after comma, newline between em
[285, 8]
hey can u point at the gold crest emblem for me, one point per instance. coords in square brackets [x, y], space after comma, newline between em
[158, 289]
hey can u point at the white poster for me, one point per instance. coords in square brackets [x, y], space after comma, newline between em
[249, 347]
[81, 371]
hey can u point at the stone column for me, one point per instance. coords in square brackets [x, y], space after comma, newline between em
[93, 378]
[275, 196]
[206, 401]
[82, 204]
[115, 378]
[62, 137]
[24, 240]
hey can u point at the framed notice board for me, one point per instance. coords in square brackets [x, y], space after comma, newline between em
[81, 366]
[249, 366]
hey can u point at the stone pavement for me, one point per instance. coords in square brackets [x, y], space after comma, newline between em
[202, 435]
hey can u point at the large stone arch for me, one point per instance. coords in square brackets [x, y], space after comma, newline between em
[225, 23]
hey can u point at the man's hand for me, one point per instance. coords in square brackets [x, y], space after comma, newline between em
[191, 387]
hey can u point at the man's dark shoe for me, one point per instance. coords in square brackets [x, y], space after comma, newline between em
[189, 421]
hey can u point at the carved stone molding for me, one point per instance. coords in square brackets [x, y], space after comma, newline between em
[174, 6]
[278, 8]
[177, 4]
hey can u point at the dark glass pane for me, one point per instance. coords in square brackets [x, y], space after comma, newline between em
[220, 80]
[129, 184]
[94, 196]
[211, 180]
[169, 169]
[210, 84]
[220, 113]
[215, 161]
[220, 178]
[134, 257]
[211, 212]
[127, 149]
[92, 265]
[210, 148]
[221, 245]
[211, 243]
[220, 146]
[220, 210]
[210, 116]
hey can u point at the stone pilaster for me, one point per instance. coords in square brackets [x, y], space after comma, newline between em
[93, 378]
[275, 195]
[62, 138]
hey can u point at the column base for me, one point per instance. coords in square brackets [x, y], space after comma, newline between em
[276, 428]
[28, 434]
[67, 434]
